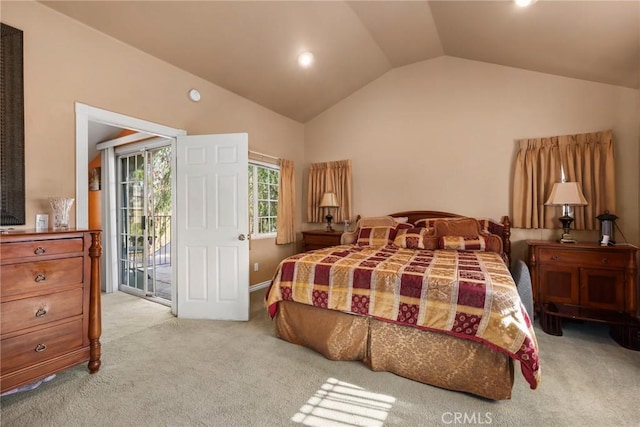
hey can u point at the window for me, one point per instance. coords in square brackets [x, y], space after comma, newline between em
[263, 199]
[586, 158]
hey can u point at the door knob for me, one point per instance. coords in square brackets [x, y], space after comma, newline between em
[241, 237]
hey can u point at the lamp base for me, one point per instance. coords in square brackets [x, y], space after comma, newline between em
[566, 226]
[566, 239]
[329, 218]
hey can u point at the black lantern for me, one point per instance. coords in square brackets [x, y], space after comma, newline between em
[607, 228]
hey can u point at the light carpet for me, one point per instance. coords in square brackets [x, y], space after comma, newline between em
[161, 371]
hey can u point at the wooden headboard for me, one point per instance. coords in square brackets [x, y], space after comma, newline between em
[413, 216]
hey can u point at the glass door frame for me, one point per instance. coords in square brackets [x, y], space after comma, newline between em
[132, 207]
[136, 270]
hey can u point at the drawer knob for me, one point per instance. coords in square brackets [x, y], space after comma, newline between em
[605, 260]
[41, 312]
[40, 278]
[40, 348]
[555, 257]
[39, 250]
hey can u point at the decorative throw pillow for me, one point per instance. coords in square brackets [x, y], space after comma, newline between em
[376, 236]
[425, 222]
[463, 243]
[411, 238]
[457, 227]
[431, 242]
[403, 226]
[428, 223]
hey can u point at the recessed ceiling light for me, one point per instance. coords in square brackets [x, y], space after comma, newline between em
[524, 3]
[305, 59]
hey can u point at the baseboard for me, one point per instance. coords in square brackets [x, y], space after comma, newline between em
[259, 286]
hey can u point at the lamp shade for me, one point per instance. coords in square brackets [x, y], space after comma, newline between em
[329, 200]
[566, 193]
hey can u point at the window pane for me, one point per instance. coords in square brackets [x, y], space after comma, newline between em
[123, 168]
[263, 198]
[263, 191]
[273, 177]
[263, 209]
[263, 174]
[264, 225]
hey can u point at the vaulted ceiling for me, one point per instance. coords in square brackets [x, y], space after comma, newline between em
[251, 47]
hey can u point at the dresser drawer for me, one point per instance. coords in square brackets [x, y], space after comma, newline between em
[40, 275]
[328, 240]
[318, 239]
[41, 345]
[20, 250]
[602, 258]
[35, 311]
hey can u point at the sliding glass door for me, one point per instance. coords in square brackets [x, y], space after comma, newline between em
[144, 223]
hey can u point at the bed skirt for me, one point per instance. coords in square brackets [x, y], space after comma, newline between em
[428, 357]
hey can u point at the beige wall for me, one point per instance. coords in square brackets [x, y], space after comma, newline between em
[444, 129]
[444, 132]
[66, 62]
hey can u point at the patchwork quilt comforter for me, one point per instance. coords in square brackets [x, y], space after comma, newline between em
[467, 294]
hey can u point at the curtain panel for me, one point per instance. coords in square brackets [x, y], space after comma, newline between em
[329, 177]
[585, 158]
[536, 169]
[588, 158]
[285, 232]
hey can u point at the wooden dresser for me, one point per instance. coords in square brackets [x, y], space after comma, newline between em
[318, 239]
[589, 282]
[50, 302]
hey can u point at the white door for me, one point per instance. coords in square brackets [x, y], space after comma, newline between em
[212, 227]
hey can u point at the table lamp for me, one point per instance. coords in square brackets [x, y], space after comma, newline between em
[329, 200]
[566, 194]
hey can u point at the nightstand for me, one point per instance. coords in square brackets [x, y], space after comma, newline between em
[589, 282]
[318, 239]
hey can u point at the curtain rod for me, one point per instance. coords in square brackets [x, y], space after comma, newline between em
[263, 155]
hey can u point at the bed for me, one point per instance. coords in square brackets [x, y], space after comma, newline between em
[425, 295]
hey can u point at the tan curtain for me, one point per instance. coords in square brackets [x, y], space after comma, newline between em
[536, 169]
[285, 232]
[588, 159]
[330, 176]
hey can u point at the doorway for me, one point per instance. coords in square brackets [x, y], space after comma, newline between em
[211, 256]
[144, 223]
[86, 116]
